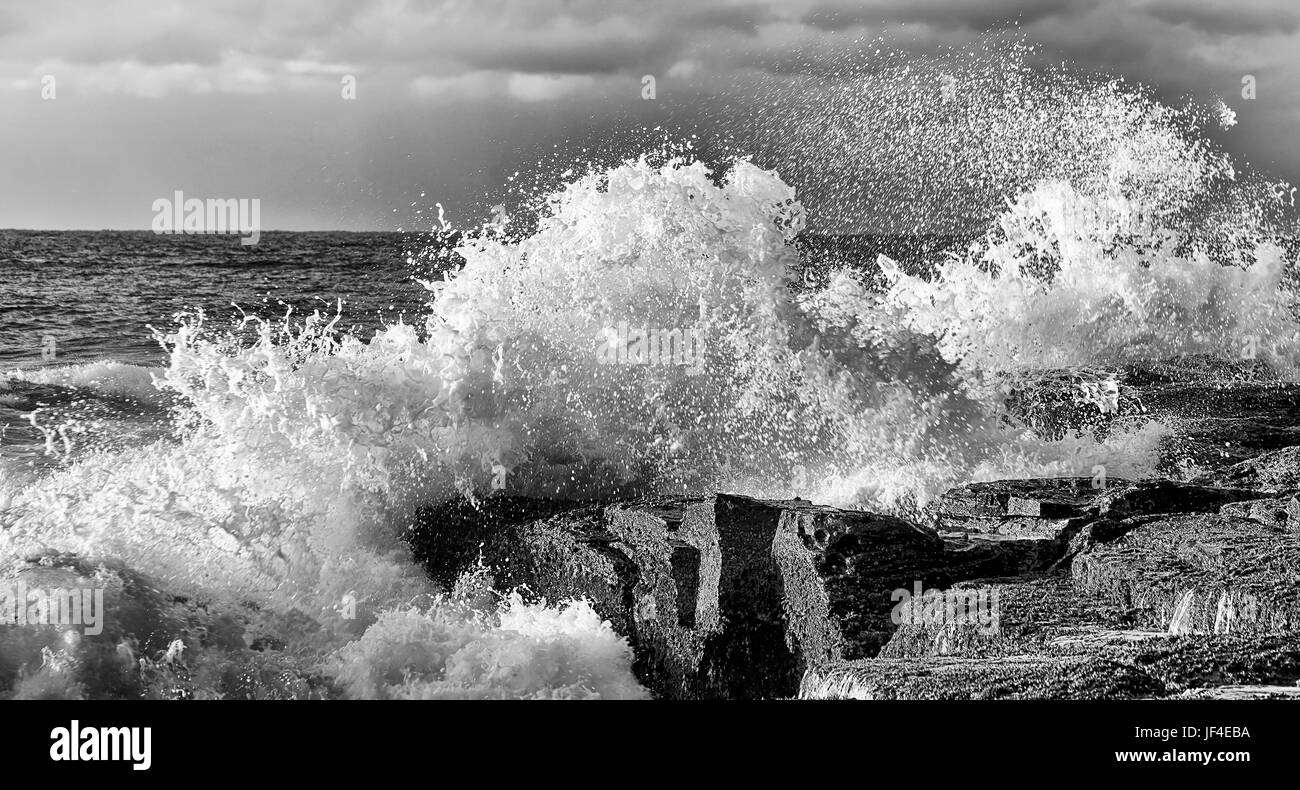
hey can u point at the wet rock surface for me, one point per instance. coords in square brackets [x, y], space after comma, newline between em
[1108, 665]
[727, 596]
[1186, 586]
[1276, 471]
[1057, 508]
[1222, 413]
[1199, 573]
[1010, 677]
[651, 570]
[1035, 614]
[1282, 513]
[737, 597]
[1168, 588]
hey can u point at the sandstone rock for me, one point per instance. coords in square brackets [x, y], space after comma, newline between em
[1103, 530]
[730, 596]
[727, 596]
[1198, 573]
[1033, 615]
[651, 571]
[1270, 512]
[1168, 496]
[673, 591]
[1276, 471]
[1041, 508]
[1210, 660]
[1223, 412]
[1217, 443]
[803, 583]
[1055, 509]
[977, 555]
[1008, 677]
[1197, 370]
[1044, 629]
[1243, 692]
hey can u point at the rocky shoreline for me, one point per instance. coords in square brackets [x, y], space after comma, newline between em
[1149, 590]
[1105, 588]
[1183, 586]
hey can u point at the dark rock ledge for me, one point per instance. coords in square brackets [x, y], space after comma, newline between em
[1137, 589]
[1186, 586]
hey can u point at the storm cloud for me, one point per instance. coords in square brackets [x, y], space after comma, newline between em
[244, 98]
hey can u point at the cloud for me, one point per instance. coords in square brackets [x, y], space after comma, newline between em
[470, 85]
[1229, 19]
[940, 14]
[301, 45]
[315, 67]
[235, 73]
[546, 69]
[547, 87]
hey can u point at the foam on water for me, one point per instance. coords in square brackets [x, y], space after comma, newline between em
[106, 376]
[453, 650]
[300, 452]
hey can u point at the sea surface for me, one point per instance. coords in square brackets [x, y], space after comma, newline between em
[96, 293]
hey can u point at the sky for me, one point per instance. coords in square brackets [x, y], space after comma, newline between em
[364, 114]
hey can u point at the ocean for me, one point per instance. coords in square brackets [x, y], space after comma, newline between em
[95, 293]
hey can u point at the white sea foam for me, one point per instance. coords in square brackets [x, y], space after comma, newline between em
[105, 377]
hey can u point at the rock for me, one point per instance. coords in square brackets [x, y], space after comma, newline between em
[802, 584]
[1008, 677]
[1244, 692]
[775, 606]
[1276, 471]
[1168, 496]
[1032, 615]
[1103, 530]
[1198, 573]
[735, 597]
[1222, 412]
[1055, 509]
[1202, 370]
[695, 558]
[1216, 443]
[673, 589]
[1205, 661]
[861, 559]
[1270, 512]
[651, 571]
[727, 596]
[1039, 508]
[1044, 626]
[976, 555]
